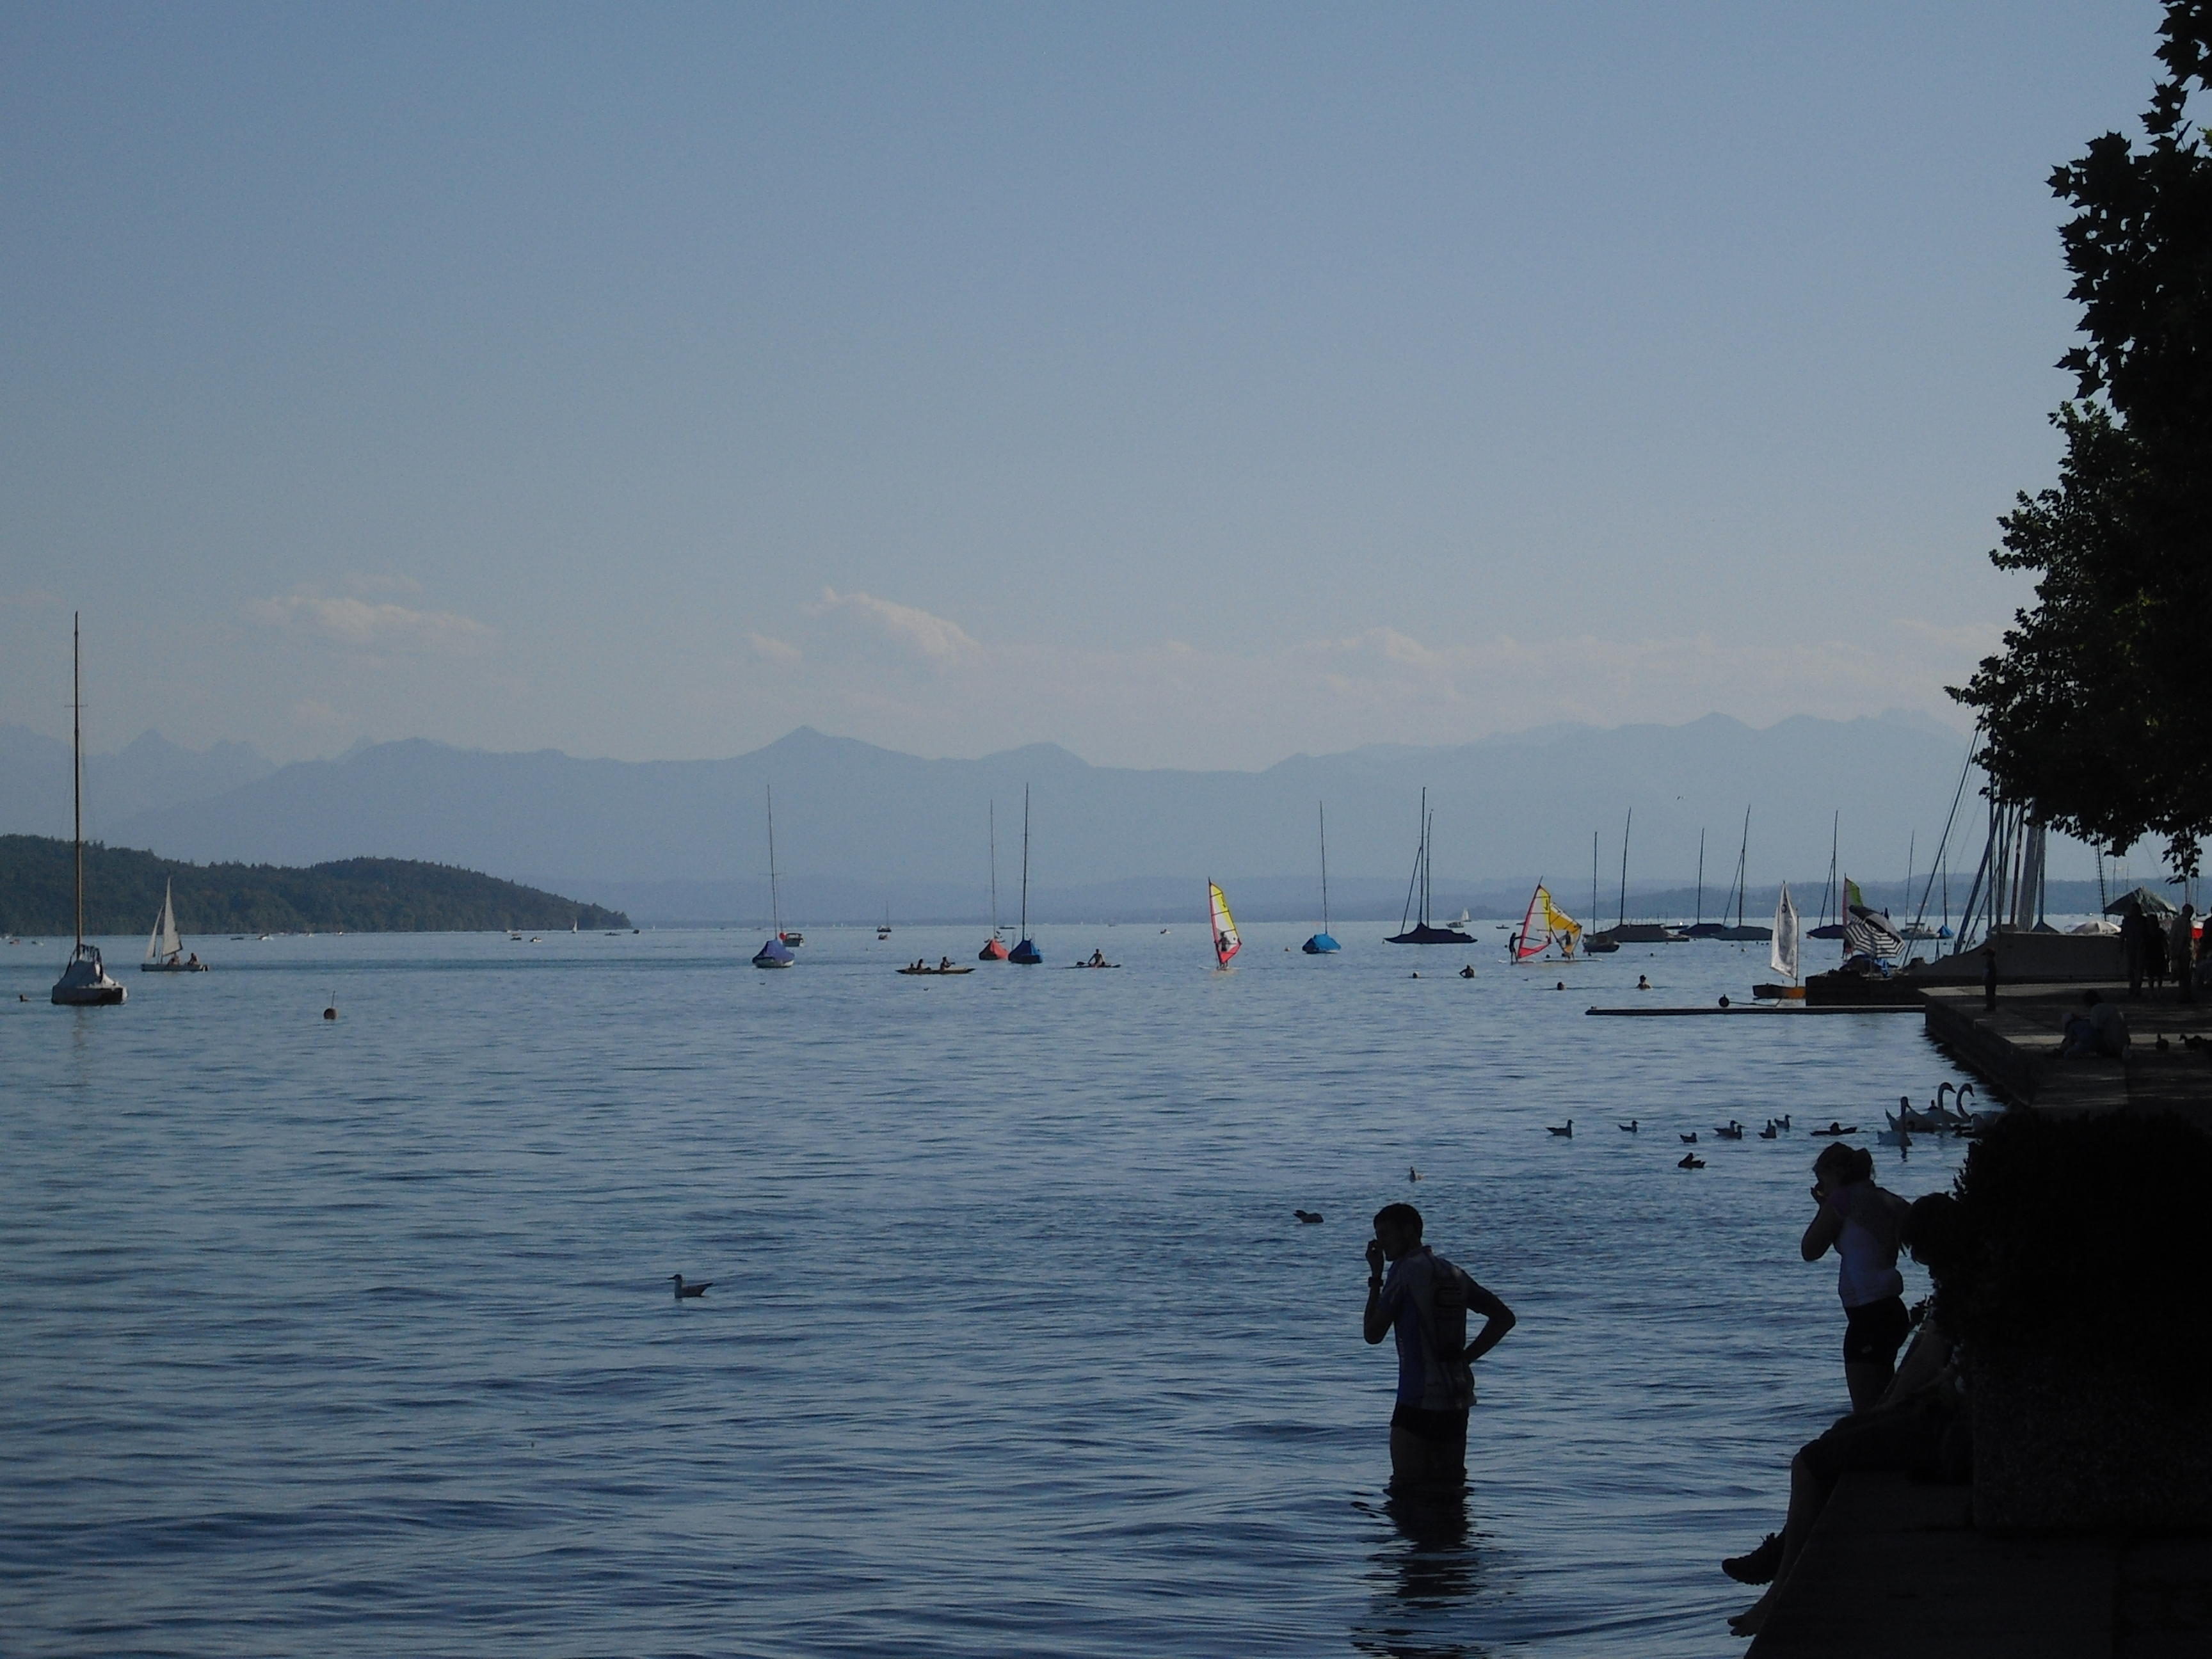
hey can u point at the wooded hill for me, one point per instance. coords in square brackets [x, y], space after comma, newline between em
[123, 895]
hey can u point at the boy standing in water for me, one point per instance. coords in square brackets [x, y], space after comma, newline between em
[1424, 1299]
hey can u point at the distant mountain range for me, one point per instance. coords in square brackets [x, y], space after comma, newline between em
[151, 773]
[860, 827]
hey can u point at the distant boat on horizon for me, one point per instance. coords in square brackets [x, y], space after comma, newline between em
[776, 953]
[1422, 932]
[1741, 930]
[1323, 942]
[84, 982]
[995, 948]
[165, 951]
[1026, 952]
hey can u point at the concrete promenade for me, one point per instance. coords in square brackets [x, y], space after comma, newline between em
[2015, 1049]
[1893, 1571]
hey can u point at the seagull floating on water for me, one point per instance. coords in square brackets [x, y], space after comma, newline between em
[1691, 1161]
[1629, 1127]
[1691, 1138]
[684, 1290]
[1311, 1218]
[1569, 1132]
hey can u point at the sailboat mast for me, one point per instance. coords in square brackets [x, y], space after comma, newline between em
[775, 906]
[1025, 860]
[76, 759]
[1593, 877]
[994, 869]
[1625, 828]
[1701, 879]
[1323, 810]
[1835, 834]
[1742, 869]
[1428, 854]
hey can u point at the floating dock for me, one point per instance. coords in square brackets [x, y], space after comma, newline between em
[1792, 1010]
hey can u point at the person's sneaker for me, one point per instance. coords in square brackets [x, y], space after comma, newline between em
[1760, 1567]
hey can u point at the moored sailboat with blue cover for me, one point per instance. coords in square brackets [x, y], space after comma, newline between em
[775, 953]
[1323, 942]
[1026, 952]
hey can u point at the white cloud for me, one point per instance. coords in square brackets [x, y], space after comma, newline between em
[914, 680]
[773, 650]
[930, 640]
[364, 625]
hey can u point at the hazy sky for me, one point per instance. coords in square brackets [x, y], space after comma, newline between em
[1189, 386]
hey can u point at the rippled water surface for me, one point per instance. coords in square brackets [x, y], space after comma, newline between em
[356, 1337]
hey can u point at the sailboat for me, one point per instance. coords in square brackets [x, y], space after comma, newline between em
[775, 953]
[884, 931]
[995, 948]
[1828, 929]
[1544, 926]
[1623, 931]
[1701, 928]
[1026, 952]
[1324, 941]
[1783, 955]
[165, 951]
[84, 983]
[1743, 930]
[1599, 944]
[1225, 941]
[1422, 932]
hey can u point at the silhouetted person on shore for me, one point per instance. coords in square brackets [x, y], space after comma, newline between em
[1424, 1299]
[2133, 925]
[1920, 1425]
[2181, 947]
[1862, 1221]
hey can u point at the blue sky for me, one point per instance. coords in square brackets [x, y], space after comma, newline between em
[1188, 386]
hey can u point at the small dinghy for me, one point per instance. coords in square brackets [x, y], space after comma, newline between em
[165, 951]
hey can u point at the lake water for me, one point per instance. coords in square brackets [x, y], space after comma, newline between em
[356, 1337]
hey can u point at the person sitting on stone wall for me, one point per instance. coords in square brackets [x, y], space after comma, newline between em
[1921, 1426]
[2100, 1032]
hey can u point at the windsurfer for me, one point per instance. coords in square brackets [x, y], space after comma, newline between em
[1425, 1299]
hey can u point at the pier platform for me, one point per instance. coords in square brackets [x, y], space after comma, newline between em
[2015, 1049]
[1898, 1570]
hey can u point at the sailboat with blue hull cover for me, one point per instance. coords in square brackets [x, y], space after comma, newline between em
[1026, 952]
[775, 953]
[1323, 942]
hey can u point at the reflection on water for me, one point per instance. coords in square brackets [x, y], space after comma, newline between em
[1424, 1576]
[354, 1337]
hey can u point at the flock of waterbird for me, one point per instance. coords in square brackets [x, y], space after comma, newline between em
[1939, 1119]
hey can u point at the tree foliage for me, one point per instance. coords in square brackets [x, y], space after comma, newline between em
[2096, 710]
[124, 889]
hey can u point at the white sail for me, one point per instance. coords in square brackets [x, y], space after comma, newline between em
[1783, 954]
[171, 944]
